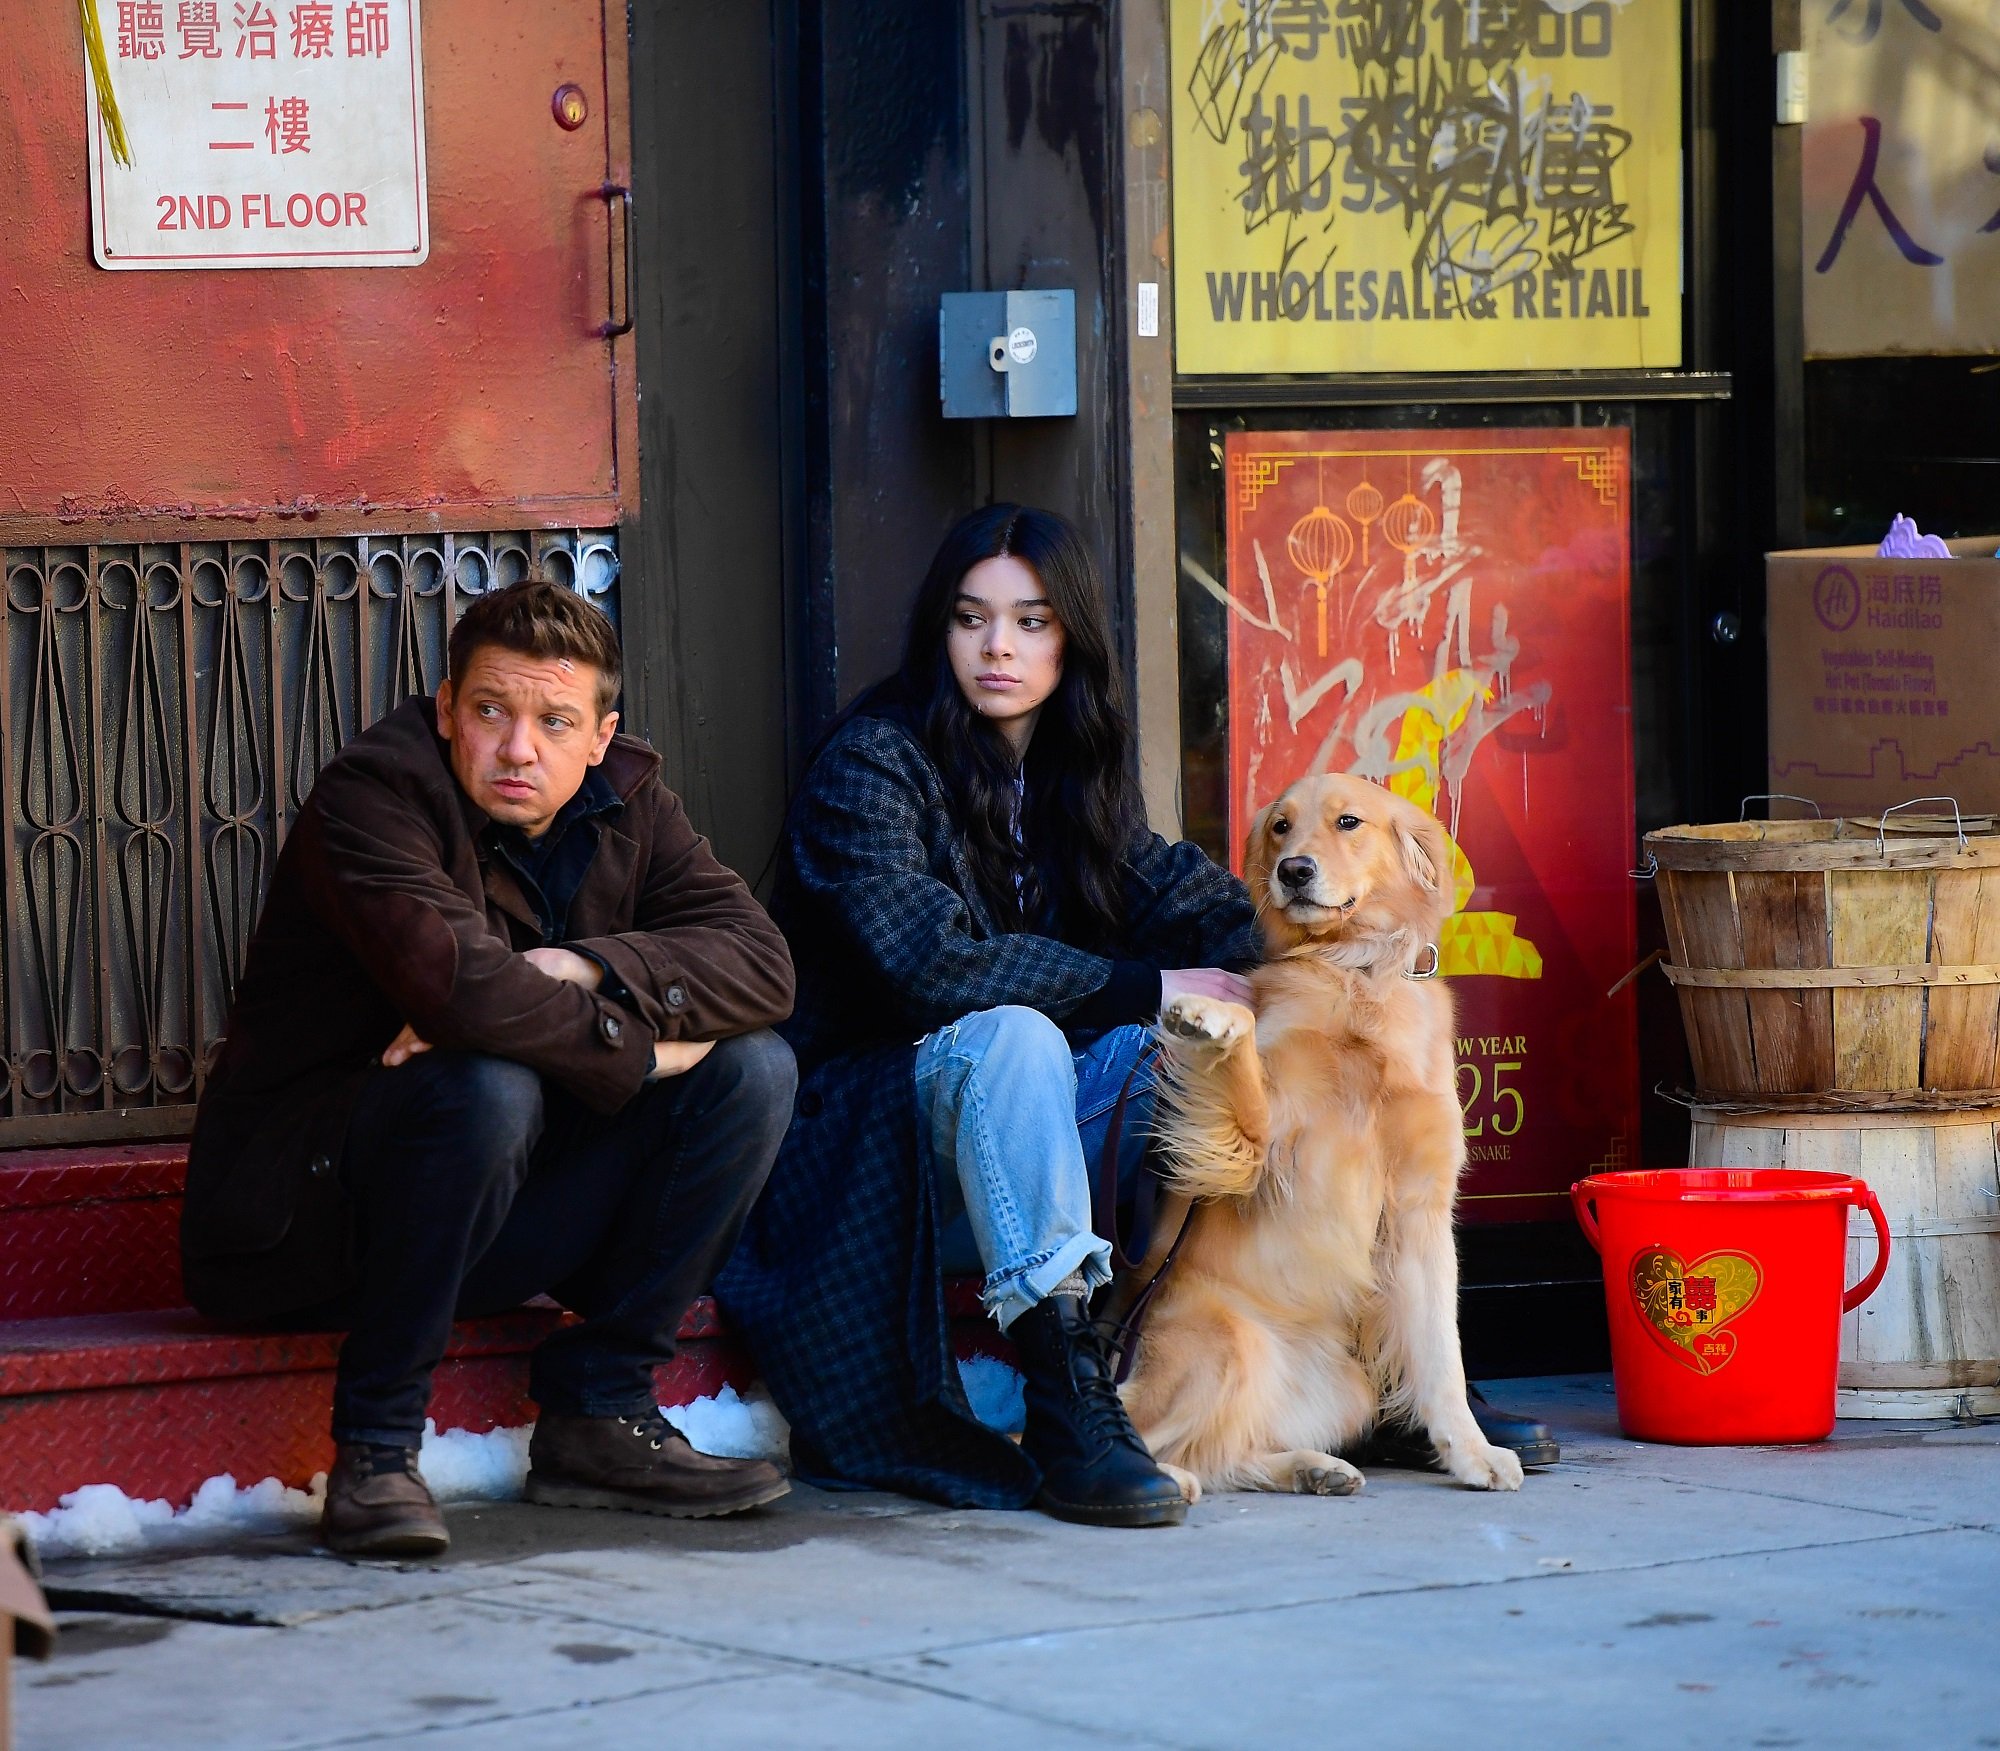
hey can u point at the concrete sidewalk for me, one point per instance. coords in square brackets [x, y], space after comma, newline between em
[1846, 1594]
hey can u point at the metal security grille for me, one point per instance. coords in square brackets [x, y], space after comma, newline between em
[164, 710]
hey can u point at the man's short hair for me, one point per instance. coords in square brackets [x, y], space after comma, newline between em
[537, 618]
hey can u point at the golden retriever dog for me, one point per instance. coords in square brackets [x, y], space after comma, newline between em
[1321, 1140]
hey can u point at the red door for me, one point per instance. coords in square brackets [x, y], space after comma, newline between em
[240, 508]
[477, 390]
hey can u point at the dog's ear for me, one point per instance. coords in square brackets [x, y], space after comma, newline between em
[1424, 853]
[1257, 862]
[1253, 840]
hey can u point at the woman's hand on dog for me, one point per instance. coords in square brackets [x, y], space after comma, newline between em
[1204, 982]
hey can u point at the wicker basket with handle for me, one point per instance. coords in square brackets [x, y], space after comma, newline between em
[1856, 962]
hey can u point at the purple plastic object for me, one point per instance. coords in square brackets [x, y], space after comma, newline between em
[1906, 541]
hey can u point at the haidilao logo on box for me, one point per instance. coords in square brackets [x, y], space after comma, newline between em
[1836, 598]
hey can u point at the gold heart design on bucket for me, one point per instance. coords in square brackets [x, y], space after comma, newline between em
[1686, 1305]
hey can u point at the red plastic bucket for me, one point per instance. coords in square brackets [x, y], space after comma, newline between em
[1723, 1287]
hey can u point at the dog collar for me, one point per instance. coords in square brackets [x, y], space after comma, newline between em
[1430, 972]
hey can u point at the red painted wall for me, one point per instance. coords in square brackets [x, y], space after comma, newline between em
[471, 392]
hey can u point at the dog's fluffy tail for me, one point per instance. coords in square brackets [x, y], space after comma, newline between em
[1204, 1147]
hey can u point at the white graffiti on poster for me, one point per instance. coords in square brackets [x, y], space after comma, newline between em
[1469, 696]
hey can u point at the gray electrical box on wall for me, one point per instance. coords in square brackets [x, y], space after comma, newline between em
[1005, 355]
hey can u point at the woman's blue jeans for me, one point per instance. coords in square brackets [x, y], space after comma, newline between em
[1015, 1121]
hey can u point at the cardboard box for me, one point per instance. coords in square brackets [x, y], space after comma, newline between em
[1882, 677]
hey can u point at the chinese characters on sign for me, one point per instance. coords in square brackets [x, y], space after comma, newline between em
[1880, 677]
[1446, 613]
[1404, 185]
[1901, 178]
[264, 134]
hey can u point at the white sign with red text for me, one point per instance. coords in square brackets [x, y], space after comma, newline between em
[264, 133]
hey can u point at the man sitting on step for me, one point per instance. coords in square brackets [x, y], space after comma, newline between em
[503, 1030]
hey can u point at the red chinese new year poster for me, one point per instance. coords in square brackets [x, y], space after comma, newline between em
[1447, 613]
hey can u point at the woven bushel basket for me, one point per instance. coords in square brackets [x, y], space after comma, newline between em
[1831, 965]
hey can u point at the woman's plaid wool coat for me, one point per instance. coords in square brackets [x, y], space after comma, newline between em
[836, 1282]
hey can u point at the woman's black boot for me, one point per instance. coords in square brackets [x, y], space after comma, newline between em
[1095, 1469]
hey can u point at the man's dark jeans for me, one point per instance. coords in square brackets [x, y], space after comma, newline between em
[477, 1186]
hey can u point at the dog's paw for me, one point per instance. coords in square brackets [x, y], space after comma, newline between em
[1483, 1466]
[1321, 1474]
[1190, 1485]
[1212, 1022]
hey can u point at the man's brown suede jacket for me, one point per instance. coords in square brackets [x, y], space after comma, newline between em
[386, 908]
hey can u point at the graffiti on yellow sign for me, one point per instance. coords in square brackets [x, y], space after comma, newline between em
[1404, 185]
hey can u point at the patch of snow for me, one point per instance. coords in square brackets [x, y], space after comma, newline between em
[733, 1427]
[996, 1392]
[463, 1467]
[750, 1426]
[101, 1520]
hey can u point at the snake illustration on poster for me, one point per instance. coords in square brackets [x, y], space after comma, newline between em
[1447, 613]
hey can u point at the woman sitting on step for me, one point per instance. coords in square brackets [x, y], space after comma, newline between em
[984, 931]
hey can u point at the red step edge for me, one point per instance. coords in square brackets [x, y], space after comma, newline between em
[109, 1350]
[40, 1179]
[159, 1403]
[157, 1400]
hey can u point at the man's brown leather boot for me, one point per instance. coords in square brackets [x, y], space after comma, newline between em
[642, 1464]
[377, 1504]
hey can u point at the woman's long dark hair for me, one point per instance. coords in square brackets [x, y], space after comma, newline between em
[1081, 805]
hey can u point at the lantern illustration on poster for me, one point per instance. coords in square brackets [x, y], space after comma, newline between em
[1409, 523]
[1320, 544]
[1364, 505]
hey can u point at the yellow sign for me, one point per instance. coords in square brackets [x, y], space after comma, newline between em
[1395, 185]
